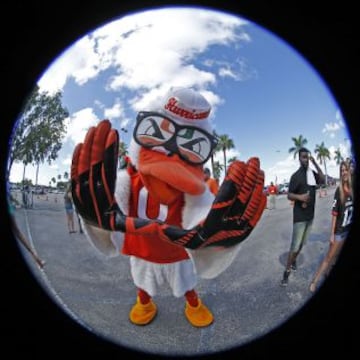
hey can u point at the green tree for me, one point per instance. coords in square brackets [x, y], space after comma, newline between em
[225, 143]
[212, 157]
[299, 142]
[61, 185]
[337, 156]
[25, 182]
[19, 145]
[123, 151]
[322, 153]
[217, 169]
[232, 159]
[39, 131]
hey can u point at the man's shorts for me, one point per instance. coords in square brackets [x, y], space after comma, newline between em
[301, 231]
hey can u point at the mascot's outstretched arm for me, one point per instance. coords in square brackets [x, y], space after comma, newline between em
[234, 213]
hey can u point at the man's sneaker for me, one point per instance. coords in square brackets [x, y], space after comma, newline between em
[293, 266]
[285, 278]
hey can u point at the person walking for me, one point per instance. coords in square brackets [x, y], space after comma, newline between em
[352, 172]
[302, 190]
[210, 181]
[16, 230]
[342, 212]
[69, 210]
[273, 190]
[27, 197]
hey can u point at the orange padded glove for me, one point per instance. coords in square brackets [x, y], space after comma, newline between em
[235, 211]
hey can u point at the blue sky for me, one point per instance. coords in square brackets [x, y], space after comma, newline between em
[262, 91]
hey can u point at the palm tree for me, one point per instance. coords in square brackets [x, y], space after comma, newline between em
[123, 150]
[234, 158]
[299, 142]
[217, 170]
[322, 153]
[212, 157]
[53, 180]
[338, 157]
[225, 143]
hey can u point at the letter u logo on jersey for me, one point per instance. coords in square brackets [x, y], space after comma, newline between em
[149, 208]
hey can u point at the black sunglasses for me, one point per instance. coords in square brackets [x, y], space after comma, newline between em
[192, 144]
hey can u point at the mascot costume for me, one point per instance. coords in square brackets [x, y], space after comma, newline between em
[158, 210]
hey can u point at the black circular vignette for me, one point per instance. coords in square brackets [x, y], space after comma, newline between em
[37, 32]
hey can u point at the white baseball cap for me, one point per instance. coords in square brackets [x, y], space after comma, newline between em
[187, 107]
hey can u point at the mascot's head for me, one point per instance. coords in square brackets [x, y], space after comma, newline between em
[175, 141]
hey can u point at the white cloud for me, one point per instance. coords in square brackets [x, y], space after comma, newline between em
[67, 160]
[145, 54]
[282, 170]
[237, 70]
[116, 115]
[78, 124]
[338, 115]
[116, 111]
[79, 62]
[227, 72]
[151, 55]
[332, 128]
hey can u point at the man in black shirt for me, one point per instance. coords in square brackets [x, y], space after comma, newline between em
[302, 191]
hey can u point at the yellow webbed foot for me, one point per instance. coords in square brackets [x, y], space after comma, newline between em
[199, 316]
[142, 314]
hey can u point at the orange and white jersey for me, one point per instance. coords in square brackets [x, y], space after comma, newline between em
[143, 205]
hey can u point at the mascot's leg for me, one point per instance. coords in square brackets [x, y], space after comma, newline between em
[144, 311]
[195, 311]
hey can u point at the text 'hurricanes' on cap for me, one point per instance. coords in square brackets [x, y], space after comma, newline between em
[187, 107]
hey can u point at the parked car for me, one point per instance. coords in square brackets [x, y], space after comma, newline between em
[39, 191]
[283, 188]
[14, 187]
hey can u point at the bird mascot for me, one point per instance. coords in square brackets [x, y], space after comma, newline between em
[158, 209]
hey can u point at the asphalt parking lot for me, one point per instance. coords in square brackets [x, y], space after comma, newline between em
[94, 293]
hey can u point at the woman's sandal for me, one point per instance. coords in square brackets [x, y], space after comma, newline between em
[312, 287]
